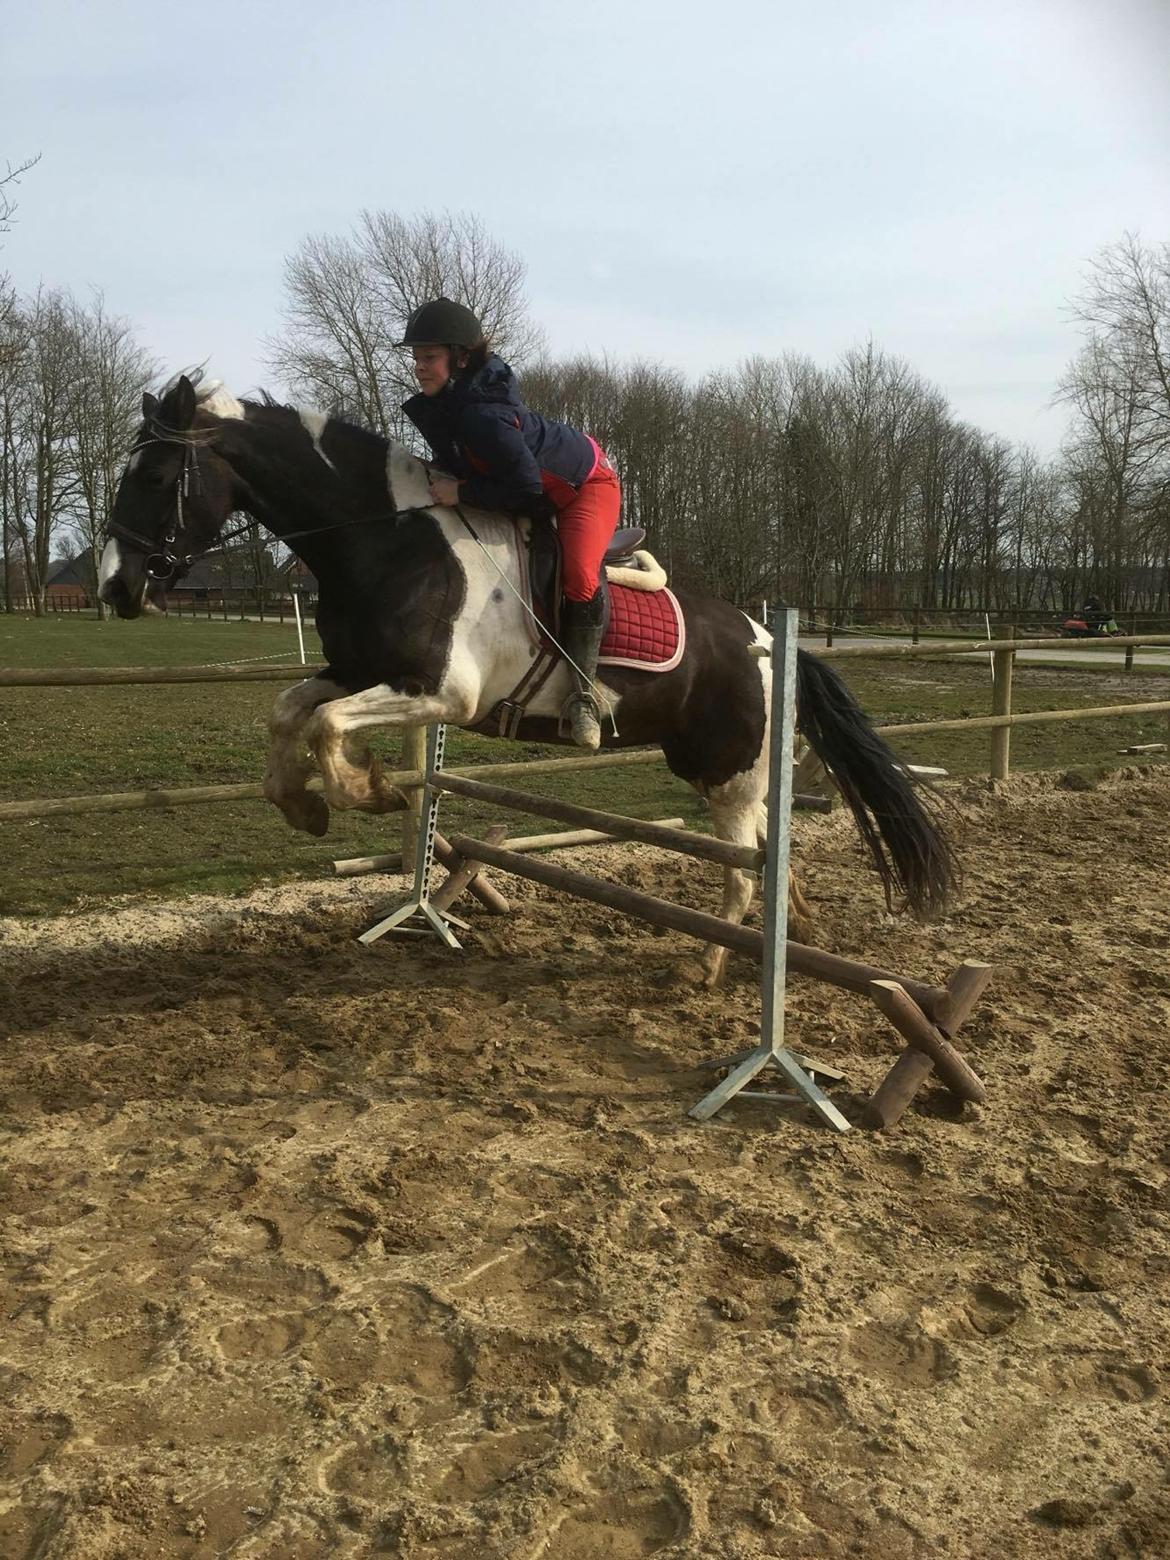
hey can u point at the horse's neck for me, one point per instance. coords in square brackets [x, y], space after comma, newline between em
[308, 477]
[293, 485]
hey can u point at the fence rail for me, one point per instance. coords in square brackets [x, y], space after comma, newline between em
[227, 603]
[410, 779]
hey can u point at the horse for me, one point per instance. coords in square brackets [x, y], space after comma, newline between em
[421, 617]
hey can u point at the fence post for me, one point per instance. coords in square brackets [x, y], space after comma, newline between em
[916, 624]
[1129, 648]
[414, 756]
[1001, 703]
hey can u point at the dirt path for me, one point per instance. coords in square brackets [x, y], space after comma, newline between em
[312, 1250]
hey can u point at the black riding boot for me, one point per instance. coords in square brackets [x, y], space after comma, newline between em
[581, 631]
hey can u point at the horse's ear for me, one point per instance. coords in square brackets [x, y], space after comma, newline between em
[178, 405]
[149, 405]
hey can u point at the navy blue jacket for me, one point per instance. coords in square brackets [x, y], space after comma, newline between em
[504, 456]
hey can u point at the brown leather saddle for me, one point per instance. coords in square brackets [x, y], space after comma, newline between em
[542, 558]
[544, 567]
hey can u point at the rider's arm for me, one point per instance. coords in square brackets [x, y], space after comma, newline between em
[510, 479]
[433, 422]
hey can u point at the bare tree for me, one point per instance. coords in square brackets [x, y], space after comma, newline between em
[338, 344]
[1110, 457]
[13, 346]
[348, 300]
[1119, 448]
[111, 372]
[40, 468]
[412, 259]
[10, 177]
[9, 342]
[1126, 304]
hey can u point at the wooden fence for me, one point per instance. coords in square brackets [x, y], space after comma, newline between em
[227, 603]
[410, 777]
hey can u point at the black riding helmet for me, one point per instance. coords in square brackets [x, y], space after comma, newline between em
[442, 323]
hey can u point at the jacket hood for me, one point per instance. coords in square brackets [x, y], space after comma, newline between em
[494, 382]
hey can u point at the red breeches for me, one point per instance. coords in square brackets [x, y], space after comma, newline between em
[586, 526]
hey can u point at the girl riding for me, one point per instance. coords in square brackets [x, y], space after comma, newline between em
[502, 456]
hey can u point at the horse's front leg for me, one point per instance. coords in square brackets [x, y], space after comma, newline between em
[289, 764]
[353, 778]
[738, 814]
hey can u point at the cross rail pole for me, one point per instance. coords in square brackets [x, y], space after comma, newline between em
[832, 968]
[687, 842]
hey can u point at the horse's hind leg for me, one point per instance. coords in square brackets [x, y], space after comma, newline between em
[801, 920]
[734, 808]
[739, 814]
[289, 763]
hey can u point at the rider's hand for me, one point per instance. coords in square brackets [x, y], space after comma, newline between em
[444, 490]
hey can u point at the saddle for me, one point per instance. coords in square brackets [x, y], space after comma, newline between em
[544, 567]
[643, 624]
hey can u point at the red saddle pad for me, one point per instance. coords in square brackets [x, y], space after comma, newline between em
[645, 629]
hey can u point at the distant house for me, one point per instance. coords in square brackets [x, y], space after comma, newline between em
[210, 578]
[14, 582]
[205, 580]
[70, 582]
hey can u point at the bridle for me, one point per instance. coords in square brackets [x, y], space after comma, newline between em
[163, 563]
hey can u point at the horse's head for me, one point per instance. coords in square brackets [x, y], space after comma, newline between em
[173, 498]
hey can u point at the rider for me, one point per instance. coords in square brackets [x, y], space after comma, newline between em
[1095, 613]
[503, 456]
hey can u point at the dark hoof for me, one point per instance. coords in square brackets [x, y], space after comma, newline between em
[308, 812]
[316, 815]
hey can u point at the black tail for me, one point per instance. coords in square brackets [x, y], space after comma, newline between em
[909, 848]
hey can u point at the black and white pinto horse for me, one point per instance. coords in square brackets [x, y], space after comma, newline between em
[419, 625]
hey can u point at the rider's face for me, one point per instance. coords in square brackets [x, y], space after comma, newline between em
[432, 368]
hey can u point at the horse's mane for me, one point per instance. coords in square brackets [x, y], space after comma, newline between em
[212, 395]
[338, 420]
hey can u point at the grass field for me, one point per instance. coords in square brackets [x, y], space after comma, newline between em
[73, 741]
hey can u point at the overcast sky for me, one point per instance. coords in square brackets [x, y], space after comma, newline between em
[687, 182]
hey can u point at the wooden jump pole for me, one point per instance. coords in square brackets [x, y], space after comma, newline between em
[134, 801]
[476, 883]
[687, 842]
[463, 873]
[564, 839]
[802, 960]
[831, 968]
[925, 1044]
[977, 647]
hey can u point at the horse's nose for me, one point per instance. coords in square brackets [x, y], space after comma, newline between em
[115, 594]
